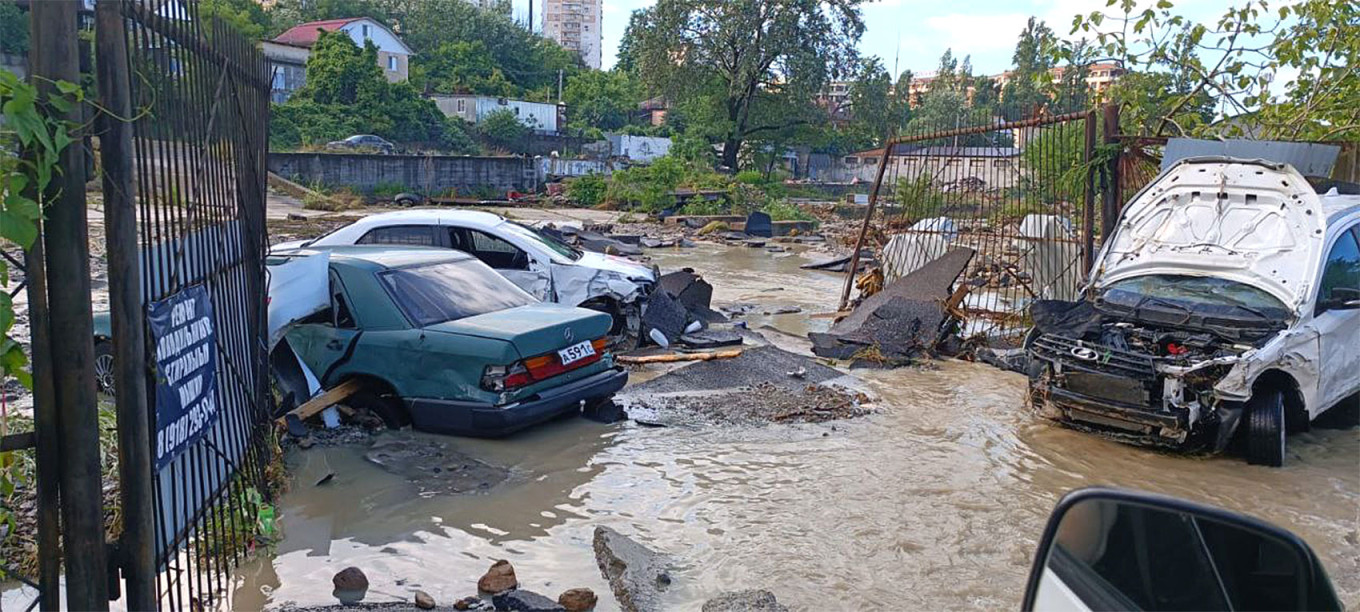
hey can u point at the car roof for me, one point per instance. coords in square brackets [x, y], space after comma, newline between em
[380, 257]
[471, 218]
[1336, 206]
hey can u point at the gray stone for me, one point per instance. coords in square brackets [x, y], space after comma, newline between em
[666, 314]
[636, 574]
[745, 601]
[520, 600]
[755, 365]
[350, 579]
[499, 578]
[424, 601]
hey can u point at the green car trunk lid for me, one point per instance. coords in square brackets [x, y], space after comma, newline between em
[536, 329]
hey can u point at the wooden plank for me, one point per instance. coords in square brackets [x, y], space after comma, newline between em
[18, 441]
[728, 354]
[311, 407]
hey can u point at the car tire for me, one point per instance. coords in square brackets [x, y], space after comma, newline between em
[1266, 428]
[384, 405]
[103, 366]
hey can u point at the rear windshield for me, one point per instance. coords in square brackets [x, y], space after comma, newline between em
[450, 291]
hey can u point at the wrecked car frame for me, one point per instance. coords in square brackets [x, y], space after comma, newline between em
[1228, 295]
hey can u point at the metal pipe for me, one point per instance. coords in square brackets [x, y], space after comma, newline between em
[864, 229]
[1089, 200]
[47, 431]
[66, 240]
[136, 479]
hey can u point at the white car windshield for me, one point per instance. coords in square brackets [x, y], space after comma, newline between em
[450, 291]
[557, 247]
[1201, 295]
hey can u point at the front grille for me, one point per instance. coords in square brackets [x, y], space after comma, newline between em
[1052, 347]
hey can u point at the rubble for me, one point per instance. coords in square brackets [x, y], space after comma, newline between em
[745, 601]
[498, 578]
[431, 467]
[759, 404]
[519, 600]
[637, 575]
[898, 323]
[577, 600]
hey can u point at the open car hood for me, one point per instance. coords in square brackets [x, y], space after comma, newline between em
[1249, 221]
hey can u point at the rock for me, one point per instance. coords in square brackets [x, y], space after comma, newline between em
[784, 310]
[296, 217]
[467, 603]
[754, 243]
[424, 601]
[350, 579]
[774, 248]
[500, 578]
[633, 239]
[636, 574]
[745, 601]
[715, 226]
[578, 600]
[520, 600]
[604, 412]
[651, 243]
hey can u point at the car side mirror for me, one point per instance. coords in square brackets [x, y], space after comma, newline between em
[1108, 549]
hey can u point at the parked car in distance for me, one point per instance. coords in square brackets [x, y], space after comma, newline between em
[1109, 549]
[1227, 297]
[363, 143]
[444, 343]
[538, 263]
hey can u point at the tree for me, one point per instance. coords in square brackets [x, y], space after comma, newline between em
[1030, 85]
[604, 100]
[625, 59]
[346, 93]
[462, 67]
[288, 13]
[13, 28]
[246, 16]
[871, 104]
[502, 130]
[745, 52]
[1235, 62]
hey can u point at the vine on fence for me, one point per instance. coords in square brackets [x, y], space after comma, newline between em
[29, 122]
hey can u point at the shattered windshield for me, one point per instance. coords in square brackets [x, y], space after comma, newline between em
[553, 244]
[450, 291]
[1194, 297]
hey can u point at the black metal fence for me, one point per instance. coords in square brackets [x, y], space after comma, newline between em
[1019, 186]
[200, 92]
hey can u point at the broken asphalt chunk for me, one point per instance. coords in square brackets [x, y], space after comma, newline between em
[637, 575]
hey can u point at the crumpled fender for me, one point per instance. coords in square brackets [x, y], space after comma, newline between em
[1294, 352]
[577, 284]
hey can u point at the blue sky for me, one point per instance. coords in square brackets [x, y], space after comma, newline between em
[919, 31]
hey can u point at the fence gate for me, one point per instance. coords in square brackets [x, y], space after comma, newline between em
[1021, 193]
[200, 95]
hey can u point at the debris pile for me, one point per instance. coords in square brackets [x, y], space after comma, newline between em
[908, 317]
[680, 311]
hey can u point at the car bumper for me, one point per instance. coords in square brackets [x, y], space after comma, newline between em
[488, 421]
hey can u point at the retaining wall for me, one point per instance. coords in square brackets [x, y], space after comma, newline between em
[427, 174]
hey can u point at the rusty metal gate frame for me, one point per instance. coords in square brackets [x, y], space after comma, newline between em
[1008, 323]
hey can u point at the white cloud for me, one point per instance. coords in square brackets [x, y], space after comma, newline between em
[972, 34]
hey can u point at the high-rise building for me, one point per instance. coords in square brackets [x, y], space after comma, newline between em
[576, 25]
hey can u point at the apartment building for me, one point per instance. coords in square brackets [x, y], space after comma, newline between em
[576, 25]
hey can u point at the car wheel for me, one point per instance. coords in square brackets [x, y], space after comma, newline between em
[385, 406]
[103, 366]
[1265, 428]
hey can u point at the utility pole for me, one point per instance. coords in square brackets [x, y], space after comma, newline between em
[70, 325]
[137, 543]
[559, 85]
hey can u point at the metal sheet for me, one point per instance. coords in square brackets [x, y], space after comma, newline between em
[1308, 158]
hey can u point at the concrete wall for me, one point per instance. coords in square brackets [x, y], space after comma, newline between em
[638, 148]
[435, 174]
[18, 64]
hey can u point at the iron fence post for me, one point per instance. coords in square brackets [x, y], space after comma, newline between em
[71, 327]
[136, 545]
[864, 229]
[1110, 205]
[1089, 199]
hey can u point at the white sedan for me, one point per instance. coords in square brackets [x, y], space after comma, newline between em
[542, 265]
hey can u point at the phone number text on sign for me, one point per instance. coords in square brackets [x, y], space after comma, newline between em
[186, 369]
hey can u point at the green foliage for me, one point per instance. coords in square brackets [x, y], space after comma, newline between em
[346, 94]
[1055, 165]
[246, 16]
[917, 198]
[603, 100]
[388, 189]
[744, 72]
[462, 66]
[13, 28]
[502, 129]
[587, 191]
[1030, 86]
[782, 210]
[1232, 64]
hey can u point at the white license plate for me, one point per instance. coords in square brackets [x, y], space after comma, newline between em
[576, 352]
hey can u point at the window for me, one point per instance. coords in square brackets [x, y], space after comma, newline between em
[366, 31]
[852, 160]
[1000, 163]
[977, 163]
[1342, 268]
[392, 62]
[872, 161]
[450, 291]
[493, 251]
[341, 316]
[414, 235]
[462, 106]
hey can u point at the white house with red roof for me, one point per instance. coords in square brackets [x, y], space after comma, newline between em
[288, 52]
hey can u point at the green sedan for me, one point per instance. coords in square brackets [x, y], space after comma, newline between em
[448, 345]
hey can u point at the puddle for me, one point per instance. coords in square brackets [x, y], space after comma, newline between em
[934, 501]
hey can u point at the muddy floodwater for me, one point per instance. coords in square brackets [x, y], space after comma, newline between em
[934, 501]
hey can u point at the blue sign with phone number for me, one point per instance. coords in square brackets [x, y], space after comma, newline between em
[186, 370]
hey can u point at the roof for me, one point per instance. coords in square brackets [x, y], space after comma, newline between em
[473, 218]
[942, 151]
[1335, 205]
[305, 34]
[377, 257]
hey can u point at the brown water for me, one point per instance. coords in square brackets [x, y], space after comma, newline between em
[934, 502]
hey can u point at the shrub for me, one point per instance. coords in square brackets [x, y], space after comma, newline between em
[587, 191]
[782, 210]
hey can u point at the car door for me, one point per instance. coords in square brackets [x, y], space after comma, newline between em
[325, 341]
[1338, 330]
[512, 262]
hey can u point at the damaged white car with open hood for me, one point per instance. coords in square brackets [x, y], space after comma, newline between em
[536, 261]
[1227, 301]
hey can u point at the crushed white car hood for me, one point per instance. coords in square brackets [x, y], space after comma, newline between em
[613, 263]
[1248, 221]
